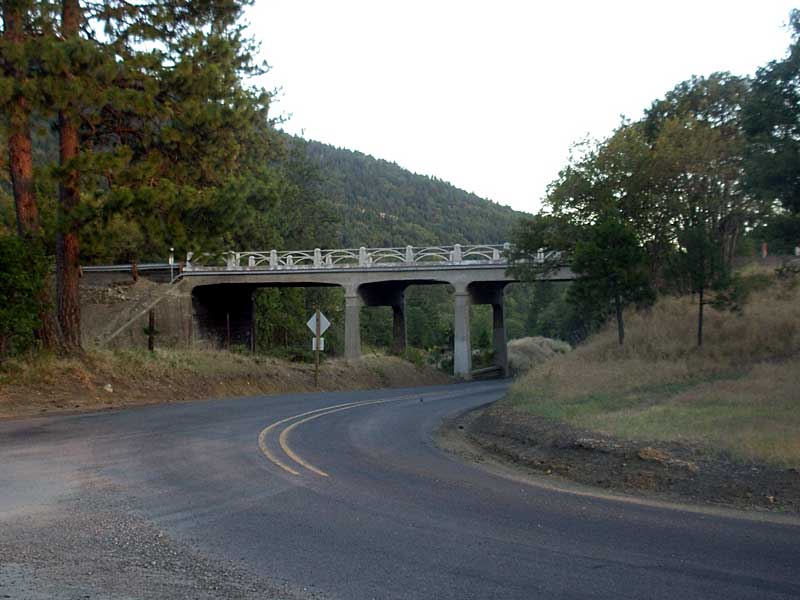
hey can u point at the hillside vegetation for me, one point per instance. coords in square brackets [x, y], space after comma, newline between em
[739, 393]
[383, 204]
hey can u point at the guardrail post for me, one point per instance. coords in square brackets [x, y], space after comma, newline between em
[362, 257]
[495, 254]
[231, 260]
[273, 258]
[317, 257]
[251, 261]
[410, 255]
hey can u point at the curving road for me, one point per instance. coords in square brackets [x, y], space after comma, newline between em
[347, 495]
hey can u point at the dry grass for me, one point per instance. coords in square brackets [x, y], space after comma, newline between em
[739, 393]
[526, 353]
[45, 384]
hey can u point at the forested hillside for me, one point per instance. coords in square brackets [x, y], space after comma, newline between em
[313, 194]
[383, 204]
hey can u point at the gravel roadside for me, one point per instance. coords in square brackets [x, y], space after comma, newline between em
[93, 544]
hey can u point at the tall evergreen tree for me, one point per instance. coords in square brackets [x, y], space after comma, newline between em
[17, 106]
[153, 116]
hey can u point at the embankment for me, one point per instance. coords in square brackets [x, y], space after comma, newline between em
[659, 415]
[116, 379]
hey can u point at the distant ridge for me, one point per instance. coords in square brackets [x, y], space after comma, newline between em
[382, 204]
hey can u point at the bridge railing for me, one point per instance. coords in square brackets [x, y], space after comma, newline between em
[344, 258]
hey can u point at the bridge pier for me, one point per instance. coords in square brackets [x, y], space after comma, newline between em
[389, 293]
[462, 348]
[399, 327]
[352, 324]
[492, 293]
[499, 337]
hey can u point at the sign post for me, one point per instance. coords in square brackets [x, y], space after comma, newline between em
[316, 351]
[319, 325]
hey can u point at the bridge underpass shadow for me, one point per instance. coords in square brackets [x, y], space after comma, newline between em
[419, 319]
[442, 316]
[268, 319]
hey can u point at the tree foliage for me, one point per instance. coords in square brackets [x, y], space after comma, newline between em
[714, 161]
[771, 120]
[610, 266]
[22, 271]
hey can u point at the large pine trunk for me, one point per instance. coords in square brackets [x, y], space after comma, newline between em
[20, 150]
[20, 155]
[67, 248]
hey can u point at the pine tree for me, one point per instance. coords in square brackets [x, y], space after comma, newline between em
[16, 57]
[153, 119]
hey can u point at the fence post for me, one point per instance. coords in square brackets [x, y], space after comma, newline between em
[151, 330]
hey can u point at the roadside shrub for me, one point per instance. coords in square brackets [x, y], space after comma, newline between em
[414, 356]
[526, 353]
[22, 271]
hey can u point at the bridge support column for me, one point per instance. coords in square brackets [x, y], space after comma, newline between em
[399, 328]
[352, 325]
[499, 335]
[462, 349]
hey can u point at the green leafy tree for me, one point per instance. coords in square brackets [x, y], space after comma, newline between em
[771, 120]
[610, 266]
[541, 245]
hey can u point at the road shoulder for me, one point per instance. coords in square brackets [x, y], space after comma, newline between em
[95, 544]
[558, 457]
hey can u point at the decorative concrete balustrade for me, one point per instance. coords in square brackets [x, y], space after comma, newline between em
[350, 258]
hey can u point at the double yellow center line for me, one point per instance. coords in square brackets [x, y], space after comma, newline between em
[299, 419]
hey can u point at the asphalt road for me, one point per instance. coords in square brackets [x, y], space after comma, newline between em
[346, 495]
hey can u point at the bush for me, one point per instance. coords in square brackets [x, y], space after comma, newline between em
[526, 353]
[22, 271]
[415, 356]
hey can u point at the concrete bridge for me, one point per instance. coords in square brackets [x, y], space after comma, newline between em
[221, 288]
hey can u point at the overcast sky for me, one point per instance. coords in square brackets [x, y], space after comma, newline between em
[491, 95]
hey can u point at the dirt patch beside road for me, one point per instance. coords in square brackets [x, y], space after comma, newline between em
[668, 471]
[118, 379]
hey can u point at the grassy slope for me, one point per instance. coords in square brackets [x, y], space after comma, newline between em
[739, 393]
[44, 385]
